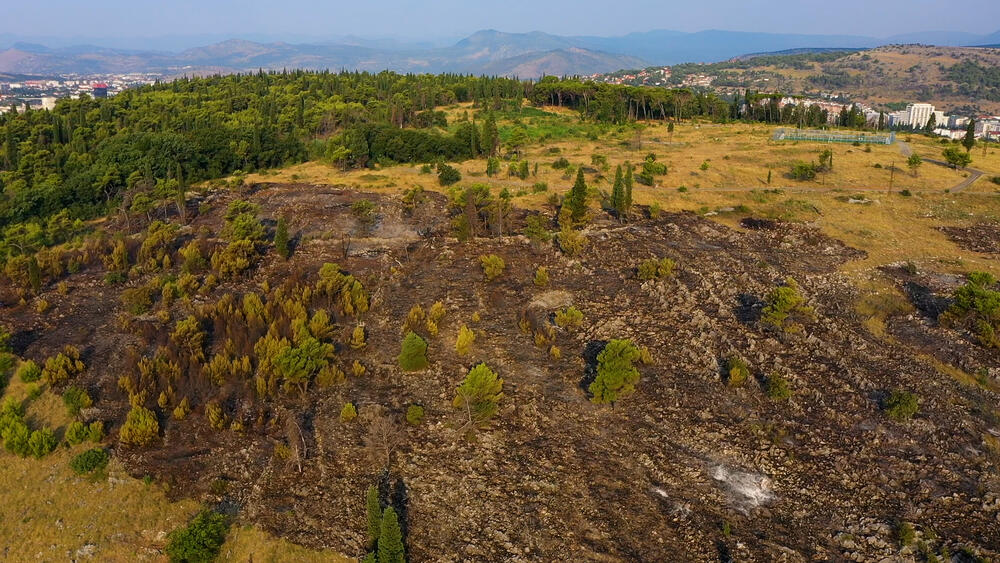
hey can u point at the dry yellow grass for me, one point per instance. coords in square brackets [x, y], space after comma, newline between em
[892, 228]
[48, 513]
[246, 544]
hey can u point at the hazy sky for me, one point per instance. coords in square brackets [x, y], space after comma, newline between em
[434, 19]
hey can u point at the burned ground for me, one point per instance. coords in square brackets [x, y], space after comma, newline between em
[685, 469]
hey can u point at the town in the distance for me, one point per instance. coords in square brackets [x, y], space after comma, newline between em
[43, 93]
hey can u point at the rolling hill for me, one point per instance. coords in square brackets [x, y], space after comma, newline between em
[488, 51]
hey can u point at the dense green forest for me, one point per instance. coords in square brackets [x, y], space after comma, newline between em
[88, 157]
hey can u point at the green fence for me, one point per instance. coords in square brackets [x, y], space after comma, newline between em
[821, 136]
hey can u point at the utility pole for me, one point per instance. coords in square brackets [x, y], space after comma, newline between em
[892, 174]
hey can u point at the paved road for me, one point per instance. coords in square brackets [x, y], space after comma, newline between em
[974, 174]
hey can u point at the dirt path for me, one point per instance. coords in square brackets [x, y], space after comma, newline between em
[974, 174]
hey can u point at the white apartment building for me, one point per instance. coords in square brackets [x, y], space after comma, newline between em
[917, 115]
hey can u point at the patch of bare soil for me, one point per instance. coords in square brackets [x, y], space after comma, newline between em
[686, 469]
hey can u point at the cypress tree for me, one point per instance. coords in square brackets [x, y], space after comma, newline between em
[374, 510]
[576, 201]
[618, 194]
[970, 136]
[390, 539]
[281, 238]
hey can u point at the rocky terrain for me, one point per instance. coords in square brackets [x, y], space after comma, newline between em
[686, 469]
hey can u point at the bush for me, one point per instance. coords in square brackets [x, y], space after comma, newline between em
[200, 541]
[95, 432]
[560, 163]
[348, 413]
[571, 242]
[776, 387]
[237, 257]
[92, 460]
[463, 343]
[786, 308]
[448, 175]
[569, 318]
[536, 229]
[76, 399]
[616, 375]
[995, 180]
[804, 171]
[76, 433]
[62, 367]
[654, 269]
[901, 405]
[479, 394]
[140, 428]
[29, 371]
[414, 415]
[493, 266]
[358, 338]
[542, 276]
[413, 353]
[42, 442]
[976, 305]
[737, 371]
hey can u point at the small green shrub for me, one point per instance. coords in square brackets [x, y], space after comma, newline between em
[737, 371]
[654, 269]
[76, 433]
[63, 366]
[92, 460]
[448, 175]
[414, 415]
[493, 266]
[413, 353]
[569, 318]
[140, 428]
[29, 371]
[42, 442]
[777, 387]
[76, 399]
[616, 374]
[901, 405]
[479, 394]
[786, 309]
[348, 413]
[200, 541]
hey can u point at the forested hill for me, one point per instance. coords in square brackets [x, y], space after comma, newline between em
[88, 157]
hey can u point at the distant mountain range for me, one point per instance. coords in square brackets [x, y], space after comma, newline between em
[527, 55]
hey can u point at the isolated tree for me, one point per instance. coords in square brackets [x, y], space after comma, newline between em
[413, 353]
[914, 162]
[616, 376]
[390, 538]
[956, 158]
[479, 395]
[491, 137]
[970, 136]
[576, 199]
[281, 238]
[931, 124]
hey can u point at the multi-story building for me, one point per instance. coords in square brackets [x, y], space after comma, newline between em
[917, 115]
[899, 118]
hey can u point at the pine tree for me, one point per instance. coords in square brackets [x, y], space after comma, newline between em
[618, 194]
[281, 239]
[491, 137]
[374, 510]
[576, 200]
[970, 136]
[390, 539]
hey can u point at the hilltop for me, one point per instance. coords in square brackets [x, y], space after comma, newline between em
[299, 299]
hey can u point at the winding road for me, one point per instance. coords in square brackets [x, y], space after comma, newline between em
[974, 174]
